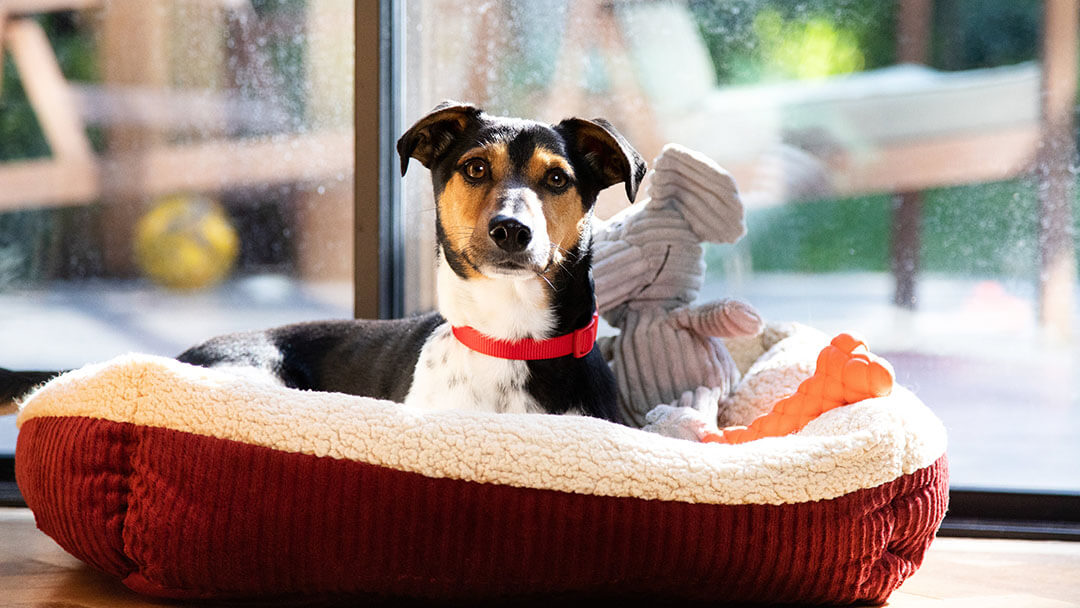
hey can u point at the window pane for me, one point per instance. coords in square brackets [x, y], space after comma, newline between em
[169, 171]
[898, 178]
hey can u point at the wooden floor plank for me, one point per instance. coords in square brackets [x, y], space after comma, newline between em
[957, 573]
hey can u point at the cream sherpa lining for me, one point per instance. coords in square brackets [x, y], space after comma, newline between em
[847, 449]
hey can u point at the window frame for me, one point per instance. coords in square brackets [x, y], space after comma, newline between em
[379, 244]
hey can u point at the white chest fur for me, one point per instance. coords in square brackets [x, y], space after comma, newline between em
[509, 308]
[449, 375]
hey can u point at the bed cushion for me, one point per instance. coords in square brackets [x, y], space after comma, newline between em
[185, 482]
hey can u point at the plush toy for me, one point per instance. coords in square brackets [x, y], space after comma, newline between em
[648, 266]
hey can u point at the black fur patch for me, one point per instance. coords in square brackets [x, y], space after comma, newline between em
[367, 358]
[14, 385]
[566, 383]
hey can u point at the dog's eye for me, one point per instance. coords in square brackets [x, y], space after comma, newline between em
[475, 170]
[557, 179]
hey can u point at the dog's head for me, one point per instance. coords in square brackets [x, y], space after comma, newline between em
[514, 197]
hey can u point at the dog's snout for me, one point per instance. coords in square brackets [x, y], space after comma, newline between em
[509, 234]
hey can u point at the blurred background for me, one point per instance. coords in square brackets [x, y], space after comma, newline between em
[170, 170]
[174, 169]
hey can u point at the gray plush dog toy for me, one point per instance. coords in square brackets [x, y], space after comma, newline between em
[649, 266]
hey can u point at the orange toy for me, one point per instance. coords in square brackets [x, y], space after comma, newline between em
[846, 372]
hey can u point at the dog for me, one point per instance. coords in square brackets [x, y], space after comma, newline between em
[515, 326]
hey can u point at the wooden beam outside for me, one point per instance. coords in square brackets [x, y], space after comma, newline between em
[324, 215]
[3, 27]
[222, 164]
[1057, 247]
[905, 247]
[943, 161]
[134, 50]
[48, 91]
[912, 46]
[35, 184]
[34, 7]
[213, 165]
[920, 164]
[174, 108]
[203, 167]
[913, 24]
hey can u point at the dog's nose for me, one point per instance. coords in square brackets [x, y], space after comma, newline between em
[509, 234]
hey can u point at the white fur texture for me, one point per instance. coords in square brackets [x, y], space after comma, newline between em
[485, 304]
[846, 449]
[449, 375]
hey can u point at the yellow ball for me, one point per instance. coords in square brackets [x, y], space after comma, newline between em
[186, 242]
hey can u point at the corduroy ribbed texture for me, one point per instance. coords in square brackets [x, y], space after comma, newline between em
[175, 514]
[648, 268]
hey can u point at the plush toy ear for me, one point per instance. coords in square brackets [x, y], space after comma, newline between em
[433, 133]
[607, 151]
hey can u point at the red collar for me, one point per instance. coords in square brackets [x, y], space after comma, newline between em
[578, 343]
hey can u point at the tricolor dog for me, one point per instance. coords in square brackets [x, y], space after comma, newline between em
[516, 322]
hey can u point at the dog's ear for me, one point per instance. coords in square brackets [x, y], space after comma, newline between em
[609, 154]
[433, 133]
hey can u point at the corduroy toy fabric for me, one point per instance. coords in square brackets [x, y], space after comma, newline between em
[648, 266]
[187, 482]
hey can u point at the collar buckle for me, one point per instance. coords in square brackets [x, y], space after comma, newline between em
[585, 338]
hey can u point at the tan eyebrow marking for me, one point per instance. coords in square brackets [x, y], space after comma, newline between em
[543, 161]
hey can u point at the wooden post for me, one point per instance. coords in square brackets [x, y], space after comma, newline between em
[912, 45]
[589, 25]
[323, 211]
[134, 52]
[195, 39]
[3, 26]
[492, 38]
[905, 247]
[1057, 264]
[48, 92]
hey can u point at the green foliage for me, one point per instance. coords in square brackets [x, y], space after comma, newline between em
[269, 7]
[805, 50]
[985, 33]
[273, 66]
[43, 242]
[982, 230]
[976, 230]
[24, 240]
[822, 236]
[752, 40]
[20, 134]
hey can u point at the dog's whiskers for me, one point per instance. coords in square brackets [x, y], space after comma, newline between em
[559, 261]
[544, 278]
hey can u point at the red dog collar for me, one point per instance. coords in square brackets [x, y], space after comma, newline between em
[578, 343]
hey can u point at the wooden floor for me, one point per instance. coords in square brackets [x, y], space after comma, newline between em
[973, 573]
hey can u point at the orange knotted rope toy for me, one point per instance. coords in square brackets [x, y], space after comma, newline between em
[846, 372]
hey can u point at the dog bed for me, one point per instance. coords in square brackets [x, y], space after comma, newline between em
[185, 482]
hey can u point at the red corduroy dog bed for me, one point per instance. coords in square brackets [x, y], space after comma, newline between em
[191, 483]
